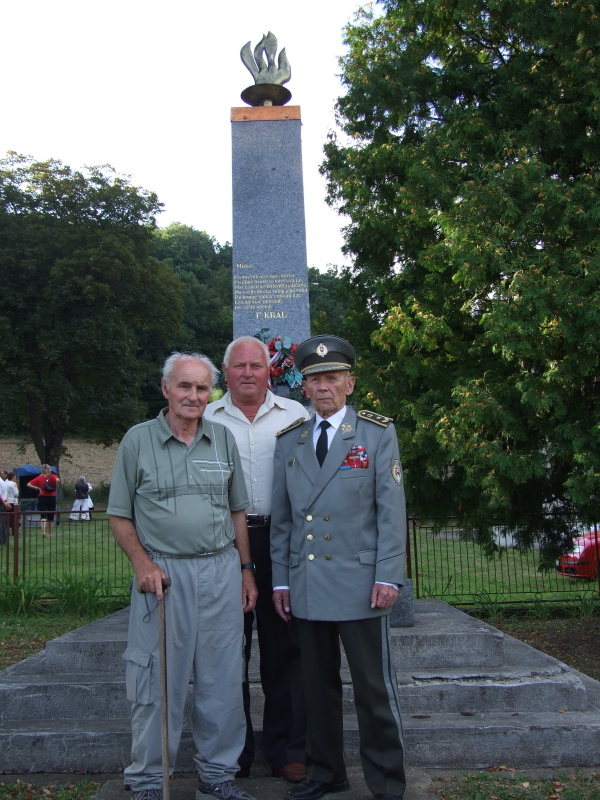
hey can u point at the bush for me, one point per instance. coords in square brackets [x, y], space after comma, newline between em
[20, 597]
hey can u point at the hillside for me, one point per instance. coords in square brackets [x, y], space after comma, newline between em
[83, 458]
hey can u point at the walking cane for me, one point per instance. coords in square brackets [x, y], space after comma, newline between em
[164, 717]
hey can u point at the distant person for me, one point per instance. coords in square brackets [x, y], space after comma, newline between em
[12, 490]
[254, 415]
[83, 502]
[47, 484]
[12, 496]
[3, 505]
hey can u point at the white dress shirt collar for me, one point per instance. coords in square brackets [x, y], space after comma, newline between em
[335, 420]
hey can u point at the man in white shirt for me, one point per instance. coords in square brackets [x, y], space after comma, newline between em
[3, 505]
[254, 414]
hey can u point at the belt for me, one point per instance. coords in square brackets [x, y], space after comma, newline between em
[192, 555]
[258, 520]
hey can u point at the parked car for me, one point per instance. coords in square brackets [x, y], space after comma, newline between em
[582, 560]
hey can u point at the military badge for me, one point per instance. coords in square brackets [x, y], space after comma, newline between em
[397, 471]
[322, 350]
[346, 427]
[357, 458]
[304, 434]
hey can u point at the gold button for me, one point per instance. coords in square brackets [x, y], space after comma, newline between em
[327, 536]
[326, 518]
[310, 537]
[327, 558]
[311, 557]
[309, 517]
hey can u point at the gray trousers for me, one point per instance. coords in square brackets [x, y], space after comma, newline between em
[368, 649]
[204, 621]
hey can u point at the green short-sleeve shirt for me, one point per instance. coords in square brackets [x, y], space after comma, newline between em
[179, 498]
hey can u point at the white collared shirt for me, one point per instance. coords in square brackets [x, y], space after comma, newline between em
[335, 420]
[256, 440]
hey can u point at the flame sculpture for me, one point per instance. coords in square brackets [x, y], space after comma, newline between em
[266, 72]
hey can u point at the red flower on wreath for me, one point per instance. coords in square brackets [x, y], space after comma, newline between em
[284, 377]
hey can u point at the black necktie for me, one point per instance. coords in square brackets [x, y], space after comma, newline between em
[322, 443]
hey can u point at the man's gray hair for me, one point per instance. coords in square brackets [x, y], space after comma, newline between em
[170, 362]
[246, 340]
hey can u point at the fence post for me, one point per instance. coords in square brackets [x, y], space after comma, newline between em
[407, 556]
[15, 532]
[416, 557]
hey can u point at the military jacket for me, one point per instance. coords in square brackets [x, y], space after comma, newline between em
[339, 528]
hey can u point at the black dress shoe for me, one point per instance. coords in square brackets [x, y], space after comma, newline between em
[312, 790]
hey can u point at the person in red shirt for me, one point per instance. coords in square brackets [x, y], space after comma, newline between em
[46, 484]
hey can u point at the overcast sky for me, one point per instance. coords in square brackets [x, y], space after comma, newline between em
[147, 87]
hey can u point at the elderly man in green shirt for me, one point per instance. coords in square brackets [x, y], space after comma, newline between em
[177, 508]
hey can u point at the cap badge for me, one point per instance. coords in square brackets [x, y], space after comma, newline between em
[322, 350]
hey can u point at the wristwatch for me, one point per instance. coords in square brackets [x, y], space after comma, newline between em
[249, 565]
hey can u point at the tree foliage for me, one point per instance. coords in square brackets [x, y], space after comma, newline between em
[82, 301]
[328, 301]
[469, 170]
[204, 269]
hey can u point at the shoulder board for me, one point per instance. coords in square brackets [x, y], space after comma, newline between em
[291, 427]
[378, 419]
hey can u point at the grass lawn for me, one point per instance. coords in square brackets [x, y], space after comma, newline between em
[448, 567]
[507, 784]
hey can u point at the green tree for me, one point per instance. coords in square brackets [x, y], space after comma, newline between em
[471, 181]
[204, 269]
[328, 301]
[82, 302]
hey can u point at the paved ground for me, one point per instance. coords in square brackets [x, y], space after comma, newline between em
[261, 786]
[422, 783]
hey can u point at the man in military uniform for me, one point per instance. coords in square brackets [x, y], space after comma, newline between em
[338, 532]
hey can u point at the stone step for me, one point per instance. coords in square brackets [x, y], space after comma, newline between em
[441, 636]
[88, 696]
[445, 741]
[471, 697]
[528, 681]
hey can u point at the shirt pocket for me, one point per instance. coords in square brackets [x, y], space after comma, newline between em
[214, 477]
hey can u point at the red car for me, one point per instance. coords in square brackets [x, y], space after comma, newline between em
[582, 560]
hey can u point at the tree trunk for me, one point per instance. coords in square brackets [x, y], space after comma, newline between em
[47, 438]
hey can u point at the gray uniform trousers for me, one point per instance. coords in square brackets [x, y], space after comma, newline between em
[204, 621]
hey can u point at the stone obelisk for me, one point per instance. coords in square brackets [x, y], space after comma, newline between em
[270, 274]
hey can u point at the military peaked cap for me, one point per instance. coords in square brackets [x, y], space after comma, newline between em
[324, 354]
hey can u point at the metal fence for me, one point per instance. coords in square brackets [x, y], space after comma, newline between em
[447, 563]
[444, 563]
[81, 548]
